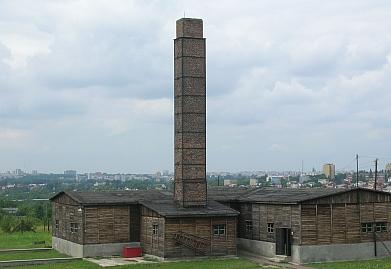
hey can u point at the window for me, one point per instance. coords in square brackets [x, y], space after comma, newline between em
[366, 227]
[270, 228]
[249, 226]
[219, 229]
[155, 228]
[57, 224]
[381, 227]
[74, 227]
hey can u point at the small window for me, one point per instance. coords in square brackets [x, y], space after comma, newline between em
[381, 227]
[366, 227]
[155, 229]
[270, 228]
[249, 226]
[219, 229]
[57, 224]
[74, 227]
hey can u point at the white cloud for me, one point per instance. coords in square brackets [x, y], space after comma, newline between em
[298, 80]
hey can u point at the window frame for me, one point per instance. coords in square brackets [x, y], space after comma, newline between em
[249, 226]
[366, 227]
[270, 228]
[381, 227]
[219, 229]
[377, 227]
[74, 227]
[155, 229]
[57, 224]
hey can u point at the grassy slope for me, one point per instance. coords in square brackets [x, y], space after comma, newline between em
[25, 240]
[371, 264]
[26, 255]
[207, 264]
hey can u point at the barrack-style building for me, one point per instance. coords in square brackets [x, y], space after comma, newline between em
[305, 225]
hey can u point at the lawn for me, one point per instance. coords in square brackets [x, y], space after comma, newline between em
[205, 264]
[25, 240]
[370, 264]
[27, 255]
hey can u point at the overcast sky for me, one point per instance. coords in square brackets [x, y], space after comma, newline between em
[88, 85]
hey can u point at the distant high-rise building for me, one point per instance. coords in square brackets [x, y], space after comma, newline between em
[34, 172]
[329, 170]
[388, 167]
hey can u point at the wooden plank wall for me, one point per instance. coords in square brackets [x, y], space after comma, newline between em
[111, 224]
[341, 223]
[282, 216]
[364, 196]
[67, 214]
[201, 227]
[152, 244]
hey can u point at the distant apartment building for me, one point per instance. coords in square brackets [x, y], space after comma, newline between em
[329, 170]
[229, 182]
[388, 167]
[275, 179]
[303, 178]
[18, 172]
[70, 172]
[253, 181]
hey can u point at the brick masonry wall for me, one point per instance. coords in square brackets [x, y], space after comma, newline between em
[190, 113]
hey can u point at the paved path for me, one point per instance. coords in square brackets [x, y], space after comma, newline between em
[108, 262]
[267, 263]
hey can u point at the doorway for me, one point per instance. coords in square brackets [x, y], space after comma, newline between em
[283, 241]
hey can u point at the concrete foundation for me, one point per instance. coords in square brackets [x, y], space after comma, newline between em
[320, 253]
[262, 248]
[91, 250]
[67, 247]
[339, 252]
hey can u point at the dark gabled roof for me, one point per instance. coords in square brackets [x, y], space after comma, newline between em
[226, 194]
[287, 196]
[168, 208]
[274, 195]
[114, 197]
[159, 201]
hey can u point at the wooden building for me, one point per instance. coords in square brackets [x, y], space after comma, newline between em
[87, 224]
[310, 225]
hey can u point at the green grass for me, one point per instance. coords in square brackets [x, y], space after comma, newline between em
[27, 255]
[205, 264]
[370, 264]
[25, 240]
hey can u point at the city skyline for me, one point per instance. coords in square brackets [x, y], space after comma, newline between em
[89, 89]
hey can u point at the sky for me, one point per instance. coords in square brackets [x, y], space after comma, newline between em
[88, 84]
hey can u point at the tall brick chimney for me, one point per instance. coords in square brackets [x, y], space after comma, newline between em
[190, 113]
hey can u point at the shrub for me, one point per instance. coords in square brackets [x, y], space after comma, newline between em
[11, 224]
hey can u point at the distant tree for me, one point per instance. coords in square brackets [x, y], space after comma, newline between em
[8, 224]
[25, 224]
[339, 178]
[12, 224]
[39, 212]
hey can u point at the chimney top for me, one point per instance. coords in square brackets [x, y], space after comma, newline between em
[189, 27]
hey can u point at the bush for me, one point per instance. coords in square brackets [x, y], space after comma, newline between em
[7, 224]
[10, 224]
